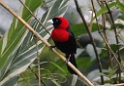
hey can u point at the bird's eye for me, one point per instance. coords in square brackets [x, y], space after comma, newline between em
[57, 20]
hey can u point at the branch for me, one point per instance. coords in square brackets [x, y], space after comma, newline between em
[34, 17]
[93, 42]
[105, 34]
[36, 75]
[38, 61]
[117, 41]
[107, 44]
[46, 43]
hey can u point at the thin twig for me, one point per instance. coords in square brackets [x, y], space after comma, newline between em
[46, 43]
[107, 44]
[25, 79]
[34, 17]
[36, 75]
[117, 41]
[38, 61]
[105, 35]
[119, 35]
[1, 36]
[121, 84]
[93, 42]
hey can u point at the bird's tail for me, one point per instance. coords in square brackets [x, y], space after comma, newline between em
[71, 58]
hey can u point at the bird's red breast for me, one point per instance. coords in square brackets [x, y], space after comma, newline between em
[60, 35]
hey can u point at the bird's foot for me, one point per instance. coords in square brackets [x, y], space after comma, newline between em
[68, 59]
[51, 47]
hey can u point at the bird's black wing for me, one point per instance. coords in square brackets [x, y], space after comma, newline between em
[72, 39]
[69, 46]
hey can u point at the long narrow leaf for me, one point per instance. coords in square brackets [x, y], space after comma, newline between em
[12, 40]
[21, 56]
[104, 9]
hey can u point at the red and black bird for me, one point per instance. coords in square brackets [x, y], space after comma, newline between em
[64, 40]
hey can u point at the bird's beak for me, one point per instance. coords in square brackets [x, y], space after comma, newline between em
[50, 21]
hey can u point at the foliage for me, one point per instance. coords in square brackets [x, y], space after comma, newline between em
[19, 49]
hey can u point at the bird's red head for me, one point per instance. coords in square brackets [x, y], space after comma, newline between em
[60, 22]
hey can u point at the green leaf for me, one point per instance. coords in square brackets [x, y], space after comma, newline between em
[79, 29]
[104, 10]
[57, 66]
[10, 48]
[56, 83]
[104, 53]
[111, 72]
[121, 17]
[57, 9]
[122, 37]
[114, 47]
[10, 82]
[120, 5]
[11, 42]
[18, 47]
[84, 63]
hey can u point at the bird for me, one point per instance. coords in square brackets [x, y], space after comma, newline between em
[64, 40]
